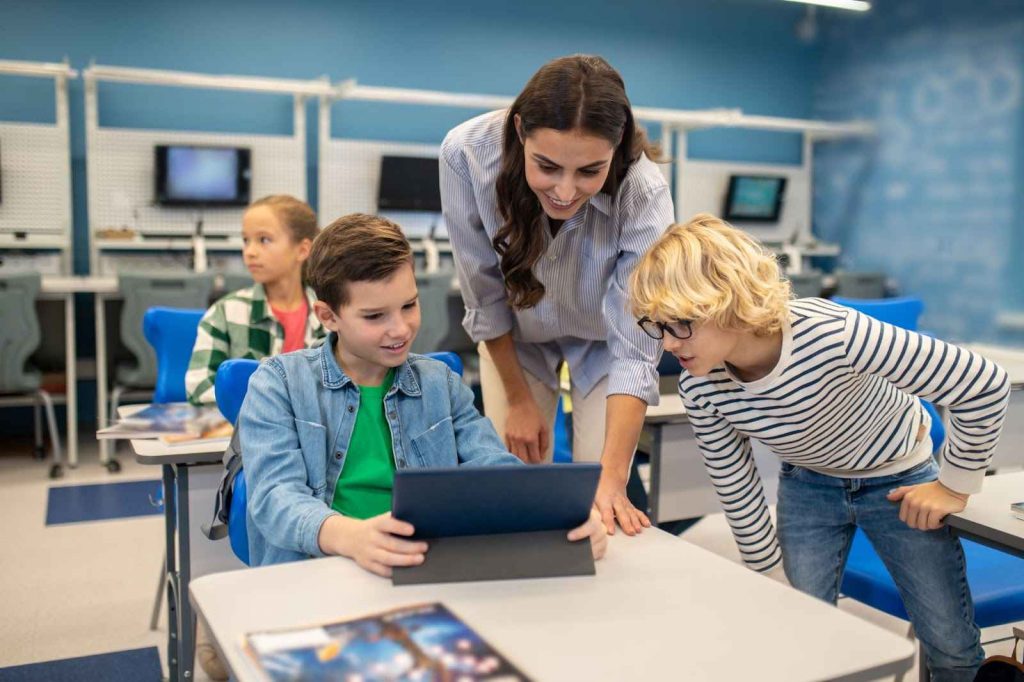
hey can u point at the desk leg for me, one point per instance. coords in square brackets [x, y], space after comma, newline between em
[186, 621]
[71, 378]
[654, 493]
[173, 652]
[102, 418]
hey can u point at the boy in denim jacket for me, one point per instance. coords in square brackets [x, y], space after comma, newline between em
[323, 429]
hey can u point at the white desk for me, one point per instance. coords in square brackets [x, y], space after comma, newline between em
[680, 487]
[987, 518]
[65, 288]
[176, 460]
[659, 608]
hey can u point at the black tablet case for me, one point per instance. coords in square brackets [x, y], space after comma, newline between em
[496, 523]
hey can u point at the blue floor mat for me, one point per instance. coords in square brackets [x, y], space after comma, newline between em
[100, 502]
[138, 665]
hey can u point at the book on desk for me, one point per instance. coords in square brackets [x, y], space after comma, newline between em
[418, 642]
[172, 423]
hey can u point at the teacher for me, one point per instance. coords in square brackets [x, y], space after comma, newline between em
[549, 206]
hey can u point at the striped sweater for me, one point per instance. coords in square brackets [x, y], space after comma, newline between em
[841, 401]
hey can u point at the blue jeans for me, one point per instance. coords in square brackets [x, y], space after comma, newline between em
[817, 516]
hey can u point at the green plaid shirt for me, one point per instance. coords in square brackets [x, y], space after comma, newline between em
[239, 325]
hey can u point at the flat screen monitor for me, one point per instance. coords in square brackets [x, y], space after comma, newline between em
[754, 198]
[202, 176]
[409, 183]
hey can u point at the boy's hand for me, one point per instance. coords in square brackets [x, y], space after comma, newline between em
[527, 433]
[925, 506]
[593, 529]
[373, 545]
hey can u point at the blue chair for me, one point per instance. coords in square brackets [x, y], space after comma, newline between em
[172, 334]
[996, 578]
[902, 311]
[230, 385]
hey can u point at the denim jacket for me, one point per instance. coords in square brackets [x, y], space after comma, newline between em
[296, 423]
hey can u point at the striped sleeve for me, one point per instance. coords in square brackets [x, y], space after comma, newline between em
[488, 314]
[211, 349]
[975, 389]
[729, 461]
[634, 354]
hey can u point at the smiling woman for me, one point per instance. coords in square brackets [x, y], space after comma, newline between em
[549, 205]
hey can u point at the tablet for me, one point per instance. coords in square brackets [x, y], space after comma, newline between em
[468, 500]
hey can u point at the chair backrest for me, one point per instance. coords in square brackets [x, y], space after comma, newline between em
[142, 292]
[860, 284]
[172, 334]
[805, 284]
[19, 331]
[230, 385]
[902, 311]
[434, 320]
[233, 281]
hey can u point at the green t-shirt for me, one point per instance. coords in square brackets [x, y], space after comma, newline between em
[368, 475]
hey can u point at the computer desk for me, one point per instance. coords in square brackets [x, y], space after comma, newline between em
[659, 608]
[64, 288]
[987, 518]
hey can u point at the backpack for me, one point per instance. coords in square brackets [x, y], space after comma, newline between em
[217, 529]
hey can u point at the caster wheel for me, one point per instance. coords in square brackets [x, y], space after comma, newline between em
[113, 466]
[56, 471]
[38, 453]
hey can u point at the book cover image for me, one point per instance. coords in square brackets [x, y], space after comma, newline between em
[423, 643]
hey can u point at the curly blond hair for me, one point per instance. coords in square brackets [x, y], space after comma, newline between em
[707, 270]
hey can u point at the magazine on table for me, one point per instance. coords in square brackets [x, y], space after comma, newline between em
[424, 642]
[173, 423]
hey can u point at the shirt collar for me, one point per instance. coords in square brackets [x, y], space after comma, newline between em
[334, 376]
[602, 202]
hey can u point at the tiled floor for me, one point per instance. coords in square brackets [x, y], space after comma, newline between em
[79, 589]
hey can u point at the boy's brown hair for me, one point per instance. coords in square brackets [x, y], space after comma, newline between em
[296, 215]
[355, 248]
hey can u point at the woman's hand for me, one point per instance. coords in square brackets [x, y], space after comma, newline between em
[527, 433]
[593, 529]
[613, 504]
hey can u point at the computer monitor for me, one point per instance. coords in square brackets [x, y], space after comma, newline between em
[202, 176]
[409, 183]
[754, 198]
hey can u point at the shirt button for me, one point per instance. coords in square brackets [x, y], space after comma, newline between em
[551, 257]
[351, 409]
[392, 415]
[337, 455]
[401, 462]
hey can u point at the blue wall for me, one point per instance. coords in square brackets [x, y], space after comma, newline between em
[936, 199]
[692, 54]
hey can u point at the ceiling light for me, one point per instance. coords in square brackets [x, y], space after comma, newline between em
[855, 5]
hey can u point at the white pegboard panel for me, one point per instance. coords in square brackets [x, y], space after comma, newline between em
[43, 263]
[350, 177]
[36, 176]
[705, 184]
[122, 180]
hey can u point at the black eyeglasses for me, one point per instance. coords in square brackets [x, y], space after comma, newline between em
[681, 329]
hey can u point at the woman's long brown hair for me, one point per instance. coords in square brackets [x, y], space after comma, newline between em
[580, 92]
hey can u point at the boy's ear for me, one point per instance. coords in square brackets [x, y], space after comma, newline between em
[326, 316]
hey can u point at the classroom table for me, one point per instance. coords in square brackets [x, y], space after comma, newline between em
[658, 608]
[987, 518]
[65, 288]
[679, 484]
[176, 461]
